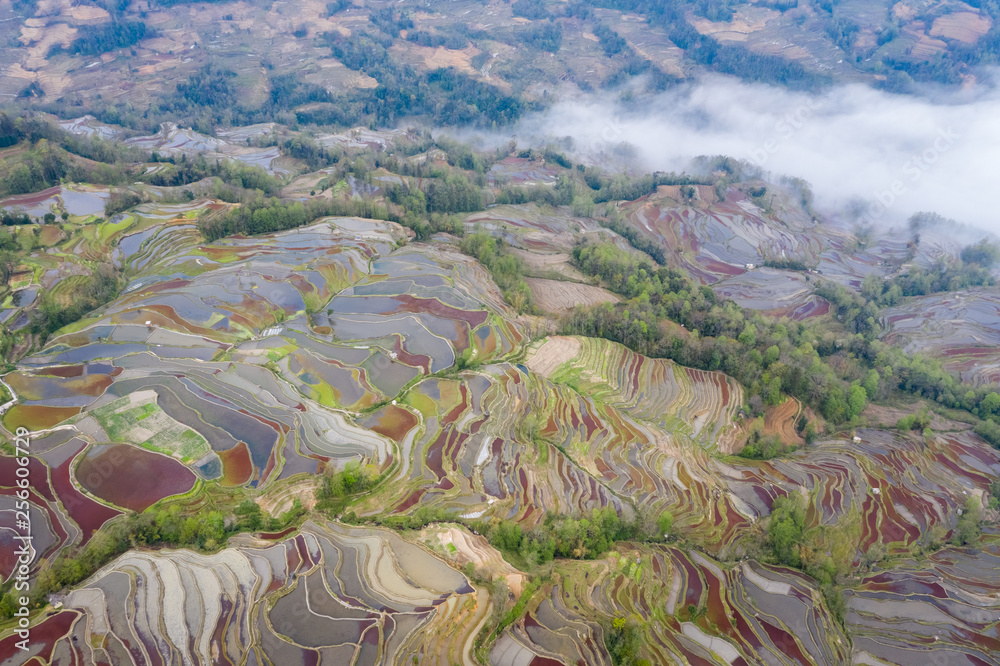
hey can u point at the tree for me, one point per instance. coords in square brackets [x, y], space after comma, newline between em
[857, 399]
[968, 529]
[213, 529]
[990, 431]
[507, 536]
[109, 37]
[771, 355]
[665, 523]
[786, 529]
[250, 515]
[870, 383]
[189, 531]
[989, 405]
[983, 253]
[834, 406]
[7, 605]
[623, 640]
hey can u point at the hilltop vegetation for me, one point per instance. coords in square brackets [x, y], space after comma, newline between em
[487, 74]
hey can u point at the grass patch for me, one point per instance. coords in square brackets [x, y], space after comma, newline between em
[151, 428]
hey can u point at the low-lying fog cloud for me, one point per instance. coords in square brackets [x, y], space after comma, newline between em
[899, 154]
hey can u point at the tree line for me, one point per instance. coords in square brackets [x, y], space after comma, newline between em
[671, 15]
[570, 537]
[157, 526]
[769, 358]
[111, 36]
[835, 374]
[506, 268]
[264, 215]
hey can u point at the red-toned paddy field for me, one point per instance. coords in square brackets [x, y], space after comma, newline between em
[939, 610]
[71, 514]
[961, 328]
[130, 477]
[715, 241]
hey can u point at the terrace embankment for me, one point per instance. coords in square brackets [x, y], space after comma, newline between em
[329, 590]
[558, 297]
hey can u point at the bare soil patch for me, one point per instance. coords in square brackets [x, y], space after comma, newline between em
[439, 57]
[558, 297]
[881, 415]
[88, 14]
[903, 11]
[965, 27]
[927, 47]
[552, 353]
[780, 421]
[737, 30]
[462, 547]
[280, 500]
[549, 263]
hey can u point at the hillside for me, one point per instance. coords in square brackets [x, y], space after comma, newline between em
[362, 61]
[381, 396]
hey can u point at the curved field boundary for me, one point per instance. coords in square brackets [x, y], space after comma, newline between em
[329, 590]
[688, 608]
[702, 405]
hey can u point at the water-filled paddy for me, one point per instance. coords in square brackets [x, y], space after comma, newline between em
[36, 417]
[130, 477]
[392, 421]
[237, 468]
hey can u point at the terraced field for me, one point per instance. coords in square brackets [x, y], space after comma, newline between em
[522, 171]
[774, 292]
[472, 455]
[581, 424]
[558, 297]
[540, 229]
[174, 141]
[235, 366]
[715, 241]
[77, 200]
[366, 596]
[329, 593]
[62, 513]
[689, 608]
[698, 404]
[960, 328]
[253, 365]
[578, 427]
[864, 490]
[948, 606]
